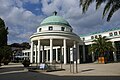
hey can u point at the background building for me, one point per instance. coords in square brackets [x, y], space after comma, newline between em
[113, 35]
[17, 51]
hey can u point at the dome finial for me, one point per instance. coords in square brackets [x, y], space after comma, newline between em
[55, 13]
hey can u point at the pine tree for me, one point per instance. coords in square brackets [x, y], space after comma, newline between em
[3, 41]
[3, 33]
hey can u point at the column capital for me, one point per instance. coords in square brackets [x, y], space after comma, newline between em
[39, 39]
[75, 44]
[31, 41]
[51, 38]
[112, 41]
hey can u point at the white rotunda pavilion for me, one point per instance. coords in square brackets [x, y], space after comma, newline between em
[54, 40]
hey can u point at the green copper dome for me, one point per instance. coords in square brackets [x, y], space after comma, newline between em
[54, 20]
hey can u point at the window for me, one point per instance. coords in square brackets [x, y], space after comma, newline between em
[62, 28]
[92, 37]
[71, 30]
[83, 39]
[50, 28]
[115, 33]
[40, 30]
[95, 36]
[110, 34]
[119, 32]
[34, 53]
[28, 54]
[25, 53]
[100, 35]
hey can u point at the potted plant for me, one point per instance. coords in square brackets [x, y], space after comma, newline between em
[101, 47]
[26, 63]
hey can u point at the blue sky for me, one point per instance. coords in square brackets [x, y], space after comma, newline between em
[22, 17]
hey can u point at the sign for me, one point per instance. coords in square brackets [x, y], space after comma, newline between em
[42, 66]
[71, 54]
[74, 54]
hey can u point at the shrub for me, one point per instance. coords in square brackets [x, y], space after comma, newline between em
[26, 63]
[6, 62]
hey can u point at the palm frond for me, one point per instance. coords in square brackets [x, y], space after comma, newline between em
[106, 9]
[98, 3]
[81, 2]
[85, 4]
[111, 6]
[114, 8]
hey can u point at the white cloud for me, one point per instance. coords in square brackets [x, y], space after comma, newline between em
[31, 1]
[82, 23]
[25, 35]
[22, 22]
[71, 11]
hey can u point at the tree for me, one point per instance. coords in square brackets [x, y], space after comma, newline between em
[111, 6]
[101, 46]
[3, 40]
[5, 54]
[1, 56]
[25, 45]
[3, 33]
[15, 45]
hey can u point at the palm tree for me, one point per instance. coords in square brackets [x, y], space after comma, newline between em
[111, 6]
[102, 47]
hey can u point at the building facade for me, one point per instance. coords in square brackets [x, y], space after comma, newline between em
[55, 41]
[113, 35]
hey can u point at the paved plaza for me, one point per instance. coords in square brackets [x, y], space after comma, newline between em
[91, 71]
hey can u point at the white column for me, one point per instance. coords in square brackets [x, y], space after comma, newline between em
[62, 54]
[65, 56]
[31, 55]
[35, 53]
[61, 51]
[78, 54]
[24, 56]
[51, 50]
[43, 54]
[38, 59]
[71, 54]
[75, 52]
[93, 59]
[114, 53]
[56, 54]
[47, 55]
[84, 52]
[68, 55]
